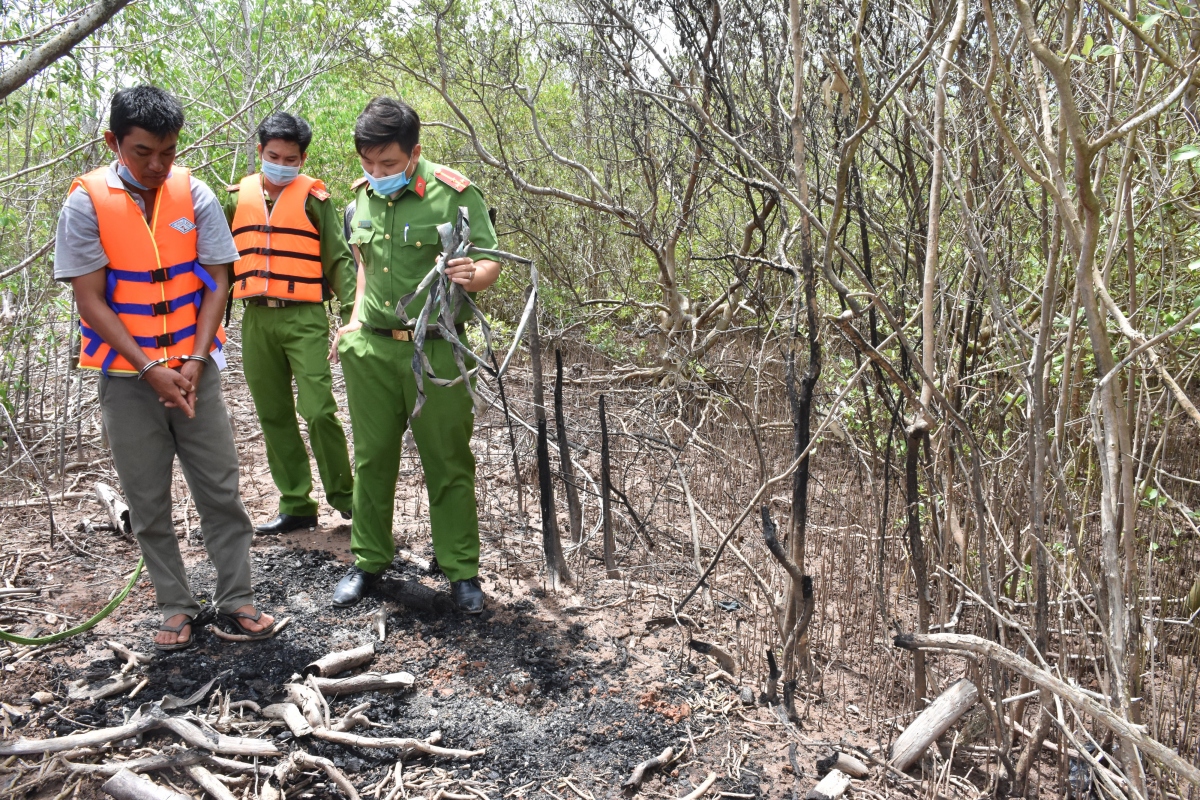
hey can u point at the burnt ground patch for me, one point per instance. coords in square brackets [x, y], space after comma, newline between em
[547, 694]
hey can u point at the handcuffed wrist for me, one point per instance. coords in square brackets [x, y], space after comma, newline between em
[149, 366]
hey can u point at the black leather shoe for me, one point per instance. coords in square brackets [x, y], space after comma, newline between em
[351, 588]
[468, 596]
[286, 523]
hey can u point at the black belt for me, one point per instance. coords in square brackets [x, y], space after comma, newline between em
[406, 334]
[271, 302]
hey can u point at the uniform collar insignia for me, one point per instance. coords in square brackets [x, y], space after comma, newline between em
[419, 186]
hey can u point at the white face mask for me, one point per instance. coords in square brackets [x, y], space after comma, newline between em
[124, 173]
[279, 174]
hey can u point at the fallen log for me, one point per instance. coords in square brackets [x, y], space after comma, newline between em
[406, 746]
[114, 506]
[366, 682]
[832, 786]
[843, 762]
[716, 653]
[415, 595]
[1007, 658]
[933, 722]
[639, 772]
[209, 783]
[333, 663]
[218, 742]
[124, 785]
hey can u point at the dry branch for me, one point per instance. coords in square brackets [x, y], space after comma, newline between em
[843, 762]
[183, 758]
[242, 637]
[126, 786]
[1006, 658]
[292, 717]
[832, 786]
[131, 658]
[719, 655]
[333, 663]
[335, 774]
[639, 772]
[933, 722]
[699, 791]
[405, 745]
[209, 783]
[114, 506]
[366, 682]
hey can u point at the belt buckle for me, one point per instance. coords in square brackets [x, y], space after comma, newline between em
[402, 334]
[274, 303]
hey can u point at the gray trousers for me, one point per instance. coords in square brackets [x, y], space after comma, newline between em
[145, 437]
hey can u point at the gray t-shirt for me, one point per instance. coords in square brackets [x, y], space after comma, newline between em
[78, 251]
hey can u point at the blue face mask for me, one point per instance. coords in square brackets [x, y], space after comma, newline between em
[279, 174]
[389, 184]
[124, 174]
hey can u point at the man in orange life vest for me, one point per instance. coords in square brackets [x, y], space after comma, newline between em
[147, 254]
[294, 255]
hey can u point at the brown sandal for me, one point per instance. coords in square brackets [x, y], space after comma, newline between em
[184, 645]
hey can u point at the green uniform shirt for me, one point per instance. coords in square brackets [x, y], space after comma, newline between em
[336, 263]
[398, 237]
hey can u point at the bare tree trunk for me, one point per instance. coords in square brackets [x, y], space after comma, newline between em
[556, 564]
[610, 545]
[574, 509]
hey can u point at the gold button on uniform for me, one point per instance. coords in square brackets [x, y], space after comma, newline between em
[418, 244]
[385, 269]
[387, 236]
[387, 302]
[390, 204]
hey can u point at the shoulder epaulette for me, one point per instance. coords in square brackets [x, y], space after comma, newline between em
[233, 187]
[454, 180]
[318, 191]
[358, 183]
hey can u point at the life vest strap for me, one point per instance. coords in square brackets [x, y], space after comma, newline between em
[160, 309]
[271, 251]
[275, 276]
[162, 274]
[276, 229]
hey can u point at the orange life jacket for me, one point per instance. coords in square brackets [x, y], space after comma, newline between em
[154, 282]
[280, 250]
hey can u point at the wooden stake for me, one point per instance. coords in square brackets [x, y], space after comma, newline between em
[933, 722]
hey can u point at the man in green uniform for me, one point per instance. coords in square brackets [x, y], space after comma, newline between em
[393, 227]
[295, 255]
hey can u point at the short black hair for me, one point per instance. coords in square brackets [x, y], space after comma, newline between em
[384, 121]
[285, 126]
[146, 107]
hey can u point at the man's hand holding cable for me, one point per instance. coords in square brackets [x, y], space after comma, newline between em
[474, 276]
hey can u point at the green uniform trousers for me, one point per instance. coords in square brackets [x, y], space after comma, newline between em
[145, 437]
[381, 391]
[279, 344]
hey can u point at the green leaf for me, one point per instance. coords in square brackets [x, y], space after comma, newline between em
[1186, 153]
[1077, 57]
[1195, 328]
[1195, 265]
[1103, 51]
[1087, 45]
[1148, 21]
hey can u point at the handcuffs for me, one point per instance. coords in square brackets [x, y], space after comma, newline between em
[163, 361]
